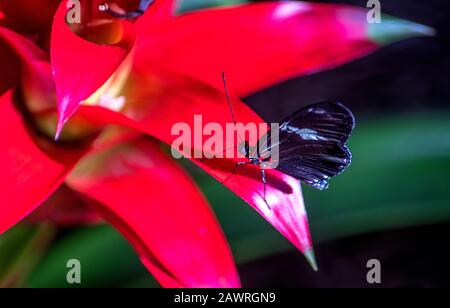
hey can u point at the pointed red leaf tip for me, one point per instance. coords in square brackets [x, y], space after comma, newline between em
[262, 44]
[80, 67]
[32, 168]
[155, 94]
[285, 208]
[176, 234]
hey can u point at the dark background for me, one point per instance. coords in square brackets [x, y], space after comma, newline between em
[406, 77]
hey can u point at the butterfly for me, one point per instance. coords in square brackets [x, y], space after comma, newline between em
[117, 12]
[311, 145]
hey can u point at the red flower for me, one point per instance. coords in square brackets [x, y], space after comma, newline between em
[147, 76]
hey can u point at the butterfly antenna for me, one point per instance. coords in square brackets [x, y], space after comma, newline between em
[228, 98]
[224, 78]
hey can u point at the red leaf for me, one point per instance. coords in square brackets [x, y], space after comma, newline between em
[158, 100]
[161, 11]
[28, 16]
[26, 64]
[257, 45]
[9, 64]
[156, 205]
[32, 168]
[80, 67]
[66, 208]
[284, 209]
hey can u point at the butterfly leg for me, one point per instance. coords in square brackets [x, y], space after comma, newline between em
[264, 180]
[235, 170]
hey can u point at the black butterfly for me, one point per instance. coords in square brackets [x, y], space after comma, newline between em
[143, 6]
[311, 144]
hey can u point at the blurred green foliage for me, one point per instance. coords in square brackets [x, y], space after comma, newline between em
[21, 249]
[192, 5]
[398, 178]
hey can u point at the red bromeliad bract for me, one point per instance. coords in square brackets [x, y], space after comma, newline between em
[145, 75]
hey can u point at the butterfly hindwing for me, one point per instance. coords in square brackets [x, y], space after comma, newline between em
[315, 163]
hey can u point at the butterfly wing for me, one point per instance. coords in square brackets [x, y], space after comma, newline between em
[312, 143]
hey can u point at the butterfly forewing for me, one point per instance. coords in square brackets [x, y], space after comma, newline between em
[323, 121]
[312, 143]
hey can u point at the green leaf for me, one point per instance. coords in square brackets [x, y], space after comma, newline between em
[106, 260]
[398, 178]
[185, 6]
[392, 29]
[20, 251]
